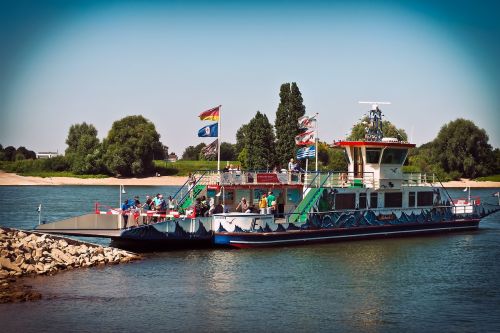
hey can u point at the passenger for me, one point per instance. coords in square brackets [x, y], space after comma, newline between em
[242, 206]
[226, 168]
[291, 165]
[204, 206]
[148, 205]
[211, 207]
[125, 213]
[191, 181]
[218, 209]
[171, 203]
[263, 204]
[271, 203]
[137, 210]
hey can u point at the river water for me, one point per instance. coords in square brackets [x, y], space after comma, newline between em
[422, 284]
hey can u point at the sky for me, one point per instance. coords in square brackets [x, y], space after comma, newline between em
[68, 62]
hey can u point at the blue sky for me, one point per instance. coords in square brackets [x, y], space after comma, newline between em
[65, 62]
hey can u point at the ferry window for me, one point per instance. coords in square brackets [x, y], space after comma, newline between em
[373, 155]
[229, 197]
[362, 200]
[394, 156]
[345, 201]
[425, 198]
[373, 200]
[411, 199]
[393, 200]
[292, 196]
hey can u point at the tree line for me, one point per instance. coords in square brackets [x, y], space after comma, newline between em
[461, 149]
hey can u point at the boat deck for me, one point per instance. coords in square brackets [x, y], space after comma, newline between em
[100, 233]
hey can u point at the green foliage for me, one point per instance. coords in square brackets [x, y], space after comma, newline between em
[390, 131]
[84, 151]
[25, 166]
[12, 154]
[129, 146]
[192, 153]
[9, 153]
[258, 144]
[240, 140]
[290, 109]
[463, 147]
[227, 151]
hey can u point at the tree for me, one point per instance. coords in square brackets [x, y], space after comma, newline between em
[192, 153]
[258, 152]
[84, 152]
[25, 153]
[227, 151]
[9, 153]
[129, 146]
[240, 139]
[461, 146]
[390, 131]
[290, 109]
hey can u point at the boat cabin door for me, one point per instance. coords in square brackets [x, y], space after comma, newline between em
[358, 163]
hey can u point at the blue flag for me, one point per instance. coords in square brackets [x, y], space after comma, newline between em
[209, 131]
[306, 152]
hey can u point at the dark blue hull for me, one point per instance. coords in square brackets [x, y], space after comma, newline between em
[295, 237]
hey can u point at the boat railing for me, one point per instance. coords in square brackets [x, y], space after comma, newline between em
[418, 179]
[310, 179]
[191, 183]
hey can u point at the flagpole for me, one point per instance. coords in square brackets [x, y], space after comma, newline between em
[316, 129]
[218, 138]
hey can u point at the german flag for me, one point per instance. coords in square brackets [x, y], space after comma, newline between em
[212, 114]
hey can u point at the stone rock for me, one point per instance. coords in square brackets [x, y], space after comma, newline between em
[63, 243]
[4, 262]
[58, 254]
[21, 234]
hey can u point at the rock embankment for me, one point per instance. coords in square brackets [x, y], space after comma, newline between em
[24, 253]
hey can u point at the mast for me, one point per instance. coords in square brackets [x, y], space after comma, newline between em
[218, 138]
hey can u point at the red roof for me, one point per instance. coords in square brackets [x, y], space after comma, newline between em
[373, 144]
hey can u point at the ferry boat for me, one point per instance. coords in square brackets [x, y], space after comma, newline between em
[374, 198]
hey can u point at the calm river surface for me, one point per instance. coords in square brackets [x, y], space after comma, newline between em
[447, 283]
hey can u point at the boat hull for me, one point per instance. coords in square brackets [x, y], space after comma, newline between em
[297, 237]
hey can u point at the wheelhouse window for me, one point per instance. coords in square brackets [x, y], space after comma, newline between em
[394, 156]
[425, 198]
[373, 155]
[345, 201]
[373, 200]
[411, 199]
[393, 200]
[362, 200]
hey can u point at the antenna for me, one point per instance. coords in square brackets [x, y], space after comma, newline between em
[374, 126]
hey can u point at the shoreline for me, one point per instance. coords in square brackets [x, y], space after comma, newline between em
[12, 179]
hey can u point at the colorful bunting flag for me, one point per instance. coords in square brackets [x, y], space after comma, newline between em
[306, 152]
[209, 131]
[212, 114]
[306, 138]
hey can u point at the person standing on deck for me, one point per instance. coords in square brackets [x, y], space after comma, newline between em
[125, 212]
[263, 204]
[271, 203]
